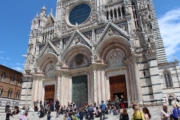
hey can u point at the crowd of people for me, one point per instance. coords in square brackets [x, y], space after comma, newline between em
[90, 111]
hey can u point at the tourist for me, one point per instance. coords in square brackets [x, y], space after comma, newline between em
[170, 100]
[49, 115]
[25, 117]
[51, 105]
[147, 115]
[90, 111]
[97, 112]
[41, 104]
[116, 100]
[115, 111]
[134, 104]
[81, 114]
[16, 110]
[165, 113]
[174, 114]
[124, 115]
[103, 108]
[41, 112]
[57, 108]
[8, 114]
[138, 115]
[122, 102]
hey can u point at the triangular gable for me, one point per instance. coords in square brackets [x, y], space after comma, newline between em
[77, 38]
[50, 20]
[112, 29]
[49, 47]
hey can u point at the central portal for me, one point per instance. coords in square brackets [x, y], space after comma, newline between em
[79, 90]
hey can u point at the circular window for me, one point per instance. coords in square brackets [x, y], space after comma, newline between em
[79, 14]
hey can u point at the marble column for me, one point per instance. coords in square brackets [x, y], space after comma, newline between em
[127, 87]
[137, 81]
[103, 85]
[107, 90]
[95, 85]
[99, 87]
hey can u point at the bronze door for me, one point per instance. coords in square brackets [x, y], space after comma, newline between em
[79, 90]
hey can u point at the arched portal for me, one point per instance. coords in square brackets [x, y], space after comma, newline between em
[113, 51]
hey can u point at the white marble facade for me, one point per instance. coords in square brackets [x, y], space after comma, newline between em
[118, 38]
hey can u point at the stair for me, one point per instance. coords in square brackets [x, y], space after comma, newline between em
[154, 111]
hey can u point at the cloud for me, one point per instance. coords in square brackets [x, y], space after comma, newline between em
[18, 69]
[2, 51]
[19, 64]
[4, 58]
[170, 30]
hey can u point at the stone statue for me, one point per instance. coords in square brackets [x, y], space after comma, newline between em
[110, 32]
[76, 40]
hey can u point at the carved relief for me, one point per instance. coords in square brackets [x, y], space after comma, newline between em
[50, 70]
[115, 58]
[56, 44]
[79, 61]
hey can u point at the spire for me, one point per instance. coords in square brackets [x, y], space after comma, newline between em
[43, 8]
[51, 11]
[37, 15]
[175, 59]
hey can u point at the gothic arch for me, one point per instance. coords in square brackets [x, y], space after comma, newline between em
[71, 53]
[113, 43]
[46, 59]
[167, 79]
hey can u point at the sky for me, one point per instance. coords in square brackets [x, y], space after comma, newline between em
[16, 17]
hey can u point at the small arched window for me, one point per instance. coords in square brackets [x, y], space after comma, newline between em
[123, 10]
[3, 76]
[17, 94]
[107, 15]
[9, 93]
[168, 79]
[1, 91]
[19, 82]
[111, 13]
[12, 79]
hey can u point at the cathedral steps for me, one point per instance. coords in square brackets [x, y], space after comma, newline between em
[155, 112]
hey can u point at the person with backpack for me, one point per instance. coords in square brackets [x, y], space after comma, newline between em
[138, 114]
[124, 115]
[175, 111]
[91, 111]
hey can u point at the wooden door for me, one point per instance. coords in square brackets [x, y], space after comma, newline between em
[49, 93]
[118, 87]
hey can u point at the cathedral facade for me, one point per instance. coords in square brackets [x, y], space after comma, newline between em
[93, 50]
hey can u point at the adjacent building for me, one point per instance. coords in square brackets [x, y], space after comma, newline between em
[10, 88]
[93, 50]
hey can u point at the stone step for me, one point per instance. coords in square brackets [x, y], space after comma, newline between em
[154, 111]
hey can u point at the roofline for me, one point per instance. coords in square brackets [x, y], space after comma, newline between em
[10, 68]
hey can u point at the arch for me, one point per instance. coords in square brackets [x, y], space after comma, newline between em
[17, 94]
[167, 79]
[9, 93]
[70, 54]
[114, 42]
[45, 60]
[12, 79]
[3, 76]
[1, 91]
